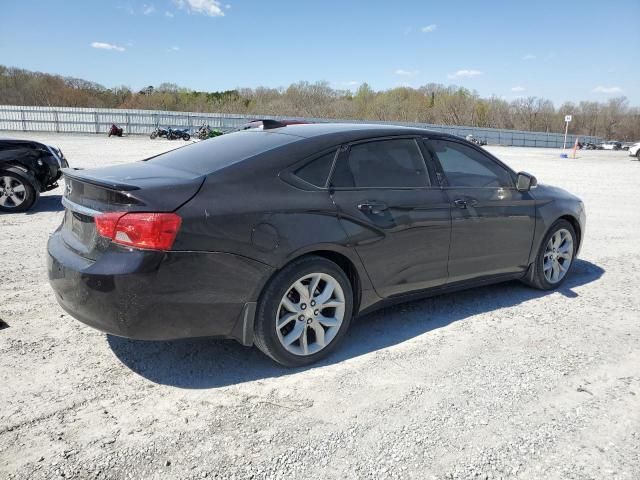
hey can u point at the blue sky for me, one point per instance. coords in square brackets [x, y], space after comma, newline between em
[561, 50]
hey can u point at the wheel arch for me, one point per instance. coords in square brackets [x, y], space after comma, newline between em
[576, 227]
[23, 172]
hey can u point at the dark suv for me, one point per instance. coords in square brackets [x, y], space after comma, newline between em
[26, 169]
[278, 236]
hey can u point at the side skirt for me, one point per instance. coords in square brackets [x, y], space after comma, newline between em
[441, 290]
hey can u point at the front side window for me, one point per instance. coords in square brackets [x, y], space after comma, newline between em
[395, 163]
[464, 166]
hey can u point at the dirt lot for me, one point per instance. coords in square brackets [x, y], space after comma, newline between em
[497, 382]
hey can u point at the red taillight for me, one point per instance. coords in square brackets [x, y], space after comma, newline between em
[154, 231]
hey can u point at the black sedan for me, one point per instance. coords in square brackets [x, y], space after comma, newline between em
[27, 168]
[278, 236]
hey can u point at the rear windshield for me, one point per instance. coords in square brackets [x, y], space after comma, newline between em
[210, 155]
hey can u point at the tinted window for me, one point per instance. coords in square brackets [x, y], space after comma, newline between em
[317, 171]
[383, 163]
[466, 167]
[210, 155]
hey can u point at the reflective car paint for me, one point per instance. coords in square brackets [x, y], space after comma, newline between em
[247, 219]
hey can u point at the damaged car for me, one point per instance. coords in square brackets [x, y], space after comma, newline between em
[27, 168]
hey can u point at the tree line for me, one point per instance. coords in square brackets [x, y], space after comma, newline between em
[431, 103]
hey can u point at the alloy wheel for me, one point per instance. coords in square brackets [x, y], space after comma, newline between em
[310, 314]
[12, 192]
[558, 256]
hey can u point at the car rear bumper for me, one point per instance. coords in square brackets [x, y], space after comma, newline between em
[150, 295]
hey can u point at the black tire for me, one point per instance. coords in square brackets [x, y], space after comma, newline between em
[186, 137]
[638, 154]
[30, 192]
[535, 275]
[153, 135]
[266, 338]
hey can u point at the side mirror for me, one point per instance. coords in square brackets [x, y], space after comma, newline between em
[525, 182]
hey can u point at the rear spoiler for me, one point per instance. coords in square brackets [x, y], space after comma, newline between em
[100, 182]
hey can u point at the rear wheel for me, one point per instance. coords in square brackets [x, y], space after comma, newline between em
[186, 137]
[304, 312]
[555, 257]
[17, 194]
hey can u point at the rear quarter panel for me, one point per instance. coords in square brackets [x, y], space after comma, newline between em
[247, 210]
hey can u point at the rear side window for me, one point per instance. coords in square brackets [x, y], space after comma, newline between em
[317, 171]
[466, 167]
[395, 163]
[210, 155]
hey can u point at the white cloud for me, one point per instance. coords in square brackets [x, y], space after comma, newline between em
[529, 56]
[168, 14]
[430, 28]
[465, 74]
[405, 73]
[518, 89]
[173, 49]
[602, 89]
[148, 9]
[107, 46]
[212, 8]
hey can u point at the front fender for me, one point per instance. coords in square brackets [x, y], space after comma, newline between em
[549, 210]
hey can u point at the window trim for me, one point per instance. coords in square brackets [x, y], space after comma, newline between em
[445, 181]
[345, 149]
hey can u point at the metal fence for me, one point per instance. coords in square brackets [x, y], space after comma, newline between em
[143, 122]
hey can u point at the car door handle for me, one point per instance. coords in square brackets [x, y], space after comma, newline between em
[460, 203]
[372, 207]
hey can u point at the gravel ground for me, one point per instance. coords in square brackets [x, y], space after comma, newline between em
[496, 382]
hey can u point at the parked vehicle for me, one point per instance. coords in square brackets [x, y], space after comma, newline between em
[278, 237]
[590, 146]
[472, 139]
[115, 130]
[175, 133]
[634, 150]
[27, 168]
[159, 132]
[205, 131]
[267, 124]
[611, 145]
[627, 145]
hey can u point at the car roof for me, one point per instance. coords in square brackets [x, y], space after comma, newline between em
[20, 140]
[356, 130]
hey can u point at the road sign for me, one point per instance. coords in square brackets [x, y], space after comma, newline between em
[567, 119]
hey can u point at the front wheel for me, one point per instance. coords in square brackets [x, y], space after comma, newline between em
[153, 135]
[16, 193]
[555, 257]
[304, 312]
[186, 137]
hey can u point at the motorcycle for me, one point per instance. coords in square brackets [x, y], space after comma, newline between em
[205, 131]
[115, 130]
[183, 133]
[159, 132]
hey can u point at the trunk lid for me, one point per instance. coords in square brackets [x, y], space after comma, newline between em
[134, 187]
